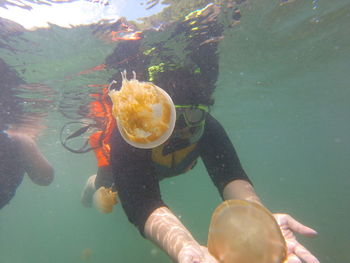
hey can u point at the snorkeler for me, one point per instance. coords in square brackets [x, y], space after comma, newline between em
[19, 153]
[136, 172]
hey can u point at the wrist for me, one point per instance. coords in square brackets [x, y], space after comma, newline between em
[190, 252]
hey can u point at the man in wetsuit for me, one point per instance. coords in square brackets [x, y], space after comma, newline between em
[19, 153]
[136, 173]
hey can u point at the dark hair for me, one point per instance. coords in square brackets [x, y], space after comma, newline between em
[127, 57]
[181, 58]
[185, 87]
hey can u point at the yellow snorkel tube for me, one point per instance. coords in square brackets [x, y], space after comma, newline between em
[145, 113]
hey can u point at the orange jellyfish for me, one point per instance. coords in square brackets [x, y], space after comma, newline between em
[145, 113]
[105, 199]
[245, 232]
[86, 254]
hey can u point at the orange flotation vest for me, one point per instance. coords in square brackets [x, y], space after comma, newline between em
[101, 112]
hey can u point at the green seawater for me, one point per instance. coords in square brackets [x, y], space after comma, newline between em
[283, 96]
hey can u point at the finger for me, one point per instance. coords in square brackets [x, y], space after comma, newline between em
[292, 258]
[189, 259]
[299, 227]
[305, 254]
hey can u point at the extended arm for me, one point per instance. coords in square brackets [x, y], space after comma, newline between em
[226, 172]
[240, 189]
[35, 164]
[139, 193]
[165, 230]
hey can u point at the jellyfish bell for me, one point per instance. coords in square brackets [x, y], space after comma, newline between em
[104, 199]
[86, 254]
[245, 232]
[145, 113]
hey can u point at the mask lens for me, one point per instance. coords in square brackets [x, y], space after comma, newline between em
[194, 116]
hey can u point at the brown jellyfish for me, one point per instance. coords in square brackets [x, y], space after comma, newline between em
[86, 254]
[105, 199]
[245, 232]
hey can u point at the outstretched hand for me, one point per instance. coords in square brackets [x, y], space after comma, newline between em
[196, 254]
[296, 252]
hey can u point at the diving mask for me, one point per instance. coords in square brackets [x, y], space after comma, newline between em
[194, 115]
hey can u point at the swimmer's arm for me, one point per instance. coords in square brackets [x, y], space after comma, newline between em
[223, 165]
[34, 163]
[165, 230]
[240, 189]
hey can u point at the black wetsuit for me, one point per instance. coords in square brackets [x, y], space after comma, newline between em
[11, 170]
[137, 173]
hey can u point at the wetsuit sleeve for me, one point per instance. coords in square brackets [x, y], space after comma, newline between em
[11, 170]
[219, 156]
[136, 183]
